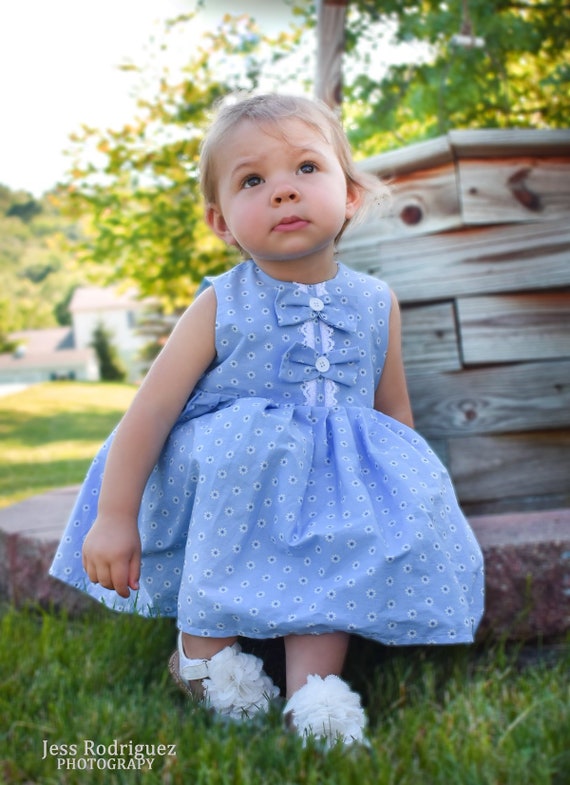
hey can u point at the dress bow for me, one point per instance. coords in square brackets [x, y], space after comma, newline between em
[295, 306]
[302, 363]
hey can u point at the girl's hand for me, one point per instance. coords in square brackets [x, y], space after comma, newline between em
[112, 554]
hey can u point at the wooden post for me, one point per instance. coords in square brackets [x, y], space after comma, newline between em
[331, 16]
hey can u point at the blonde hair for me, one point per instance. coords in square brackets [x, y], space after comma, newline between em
[272, 108]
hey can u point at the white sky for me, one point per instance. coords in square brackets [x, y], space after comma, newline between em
[58, 69]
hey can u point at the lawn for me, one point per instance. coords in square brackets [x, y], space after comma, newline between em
[453, 717]
[50, 433]
[72, 690]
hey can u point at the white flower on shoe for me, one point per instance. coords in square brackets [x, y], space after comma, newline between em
[237, 685]
[328, 709]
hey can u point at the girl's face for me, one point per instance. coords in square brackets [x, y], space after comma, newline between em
[283, 198]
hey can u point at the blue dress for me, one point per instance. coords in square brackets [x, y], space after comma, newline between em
[282, 502]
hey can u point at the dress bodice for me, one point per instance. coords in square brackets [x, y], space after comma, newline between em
[305, 344]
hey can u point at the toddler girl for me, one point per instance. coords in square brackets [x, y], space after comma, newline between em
[266, 481]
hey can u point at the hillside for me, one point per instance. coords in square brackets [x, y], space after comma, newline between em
[37, 269]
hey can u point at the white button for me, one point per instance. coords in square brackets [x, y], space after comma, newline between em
[316, 304]
[322, 365]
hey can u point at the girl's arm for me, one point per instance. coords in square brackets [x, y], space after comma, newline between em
[111, 552]
[391, 396]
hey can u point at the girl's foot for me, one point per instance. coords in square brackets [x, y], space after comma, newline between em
[233, 683]
[327, 709]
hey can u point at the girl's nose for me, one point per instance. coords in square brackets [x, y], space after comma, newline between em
[283, 194]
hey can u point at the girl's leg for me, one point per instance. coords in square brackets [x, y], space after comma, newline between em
[232, 682]
[320, 704]
[197, 648]
[320, 655]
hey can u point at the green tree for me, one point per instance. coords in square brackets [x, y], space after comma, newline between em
[142, 197]
[111, 369]
[6, 344]
[519, 77]
[25, 210]
[37, 268]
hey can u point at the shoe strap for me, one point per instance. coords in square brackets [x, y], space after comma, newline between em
[193, 670]
[190, 670]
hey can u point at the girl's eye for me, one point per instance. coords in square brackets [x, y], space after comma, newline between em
[307, 168]
[251, 181]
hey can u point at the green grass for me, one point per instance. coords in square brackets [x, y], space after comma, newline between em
[438, 717]
[50, 433]
[457, 716]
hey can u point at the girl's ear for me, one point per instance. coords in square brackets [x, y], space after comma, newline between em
[353, 200]
[218, 225]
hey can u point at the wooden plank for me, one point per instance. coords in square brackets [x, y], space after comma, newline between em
[489, 142]
[501, 399]
[413, 157]
[423, 203]
[483, 142]
[507, 190]
[514, 328]
[511, 465]
[469, 262]
[429, 338]
[531, 503]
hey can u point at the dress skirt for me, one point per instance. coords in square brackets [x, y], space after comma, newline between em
[264, 519]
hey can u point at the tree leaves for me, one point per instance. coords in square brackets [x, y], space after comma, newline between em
[520, 78]
[138, 185]
[37, 274]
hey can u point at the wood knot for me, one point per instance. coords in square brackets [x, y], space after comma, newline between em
[521, 192]
[411, 214]
[469, 410]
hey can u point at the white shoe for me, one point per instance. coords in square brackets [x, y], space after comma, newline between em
[327, 709]
[235, 684]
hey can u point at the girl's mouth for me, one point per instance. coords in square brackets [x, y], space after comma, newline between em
[290, 224]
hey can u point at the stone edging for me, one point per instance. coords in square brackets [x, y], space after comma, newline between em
[527, 557]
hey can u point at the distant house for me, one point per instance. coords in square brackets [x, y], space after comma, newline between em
[66, 352]
[44, 355]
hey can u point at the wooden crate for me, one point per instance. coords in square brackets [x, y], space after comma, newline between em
[477, 248]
